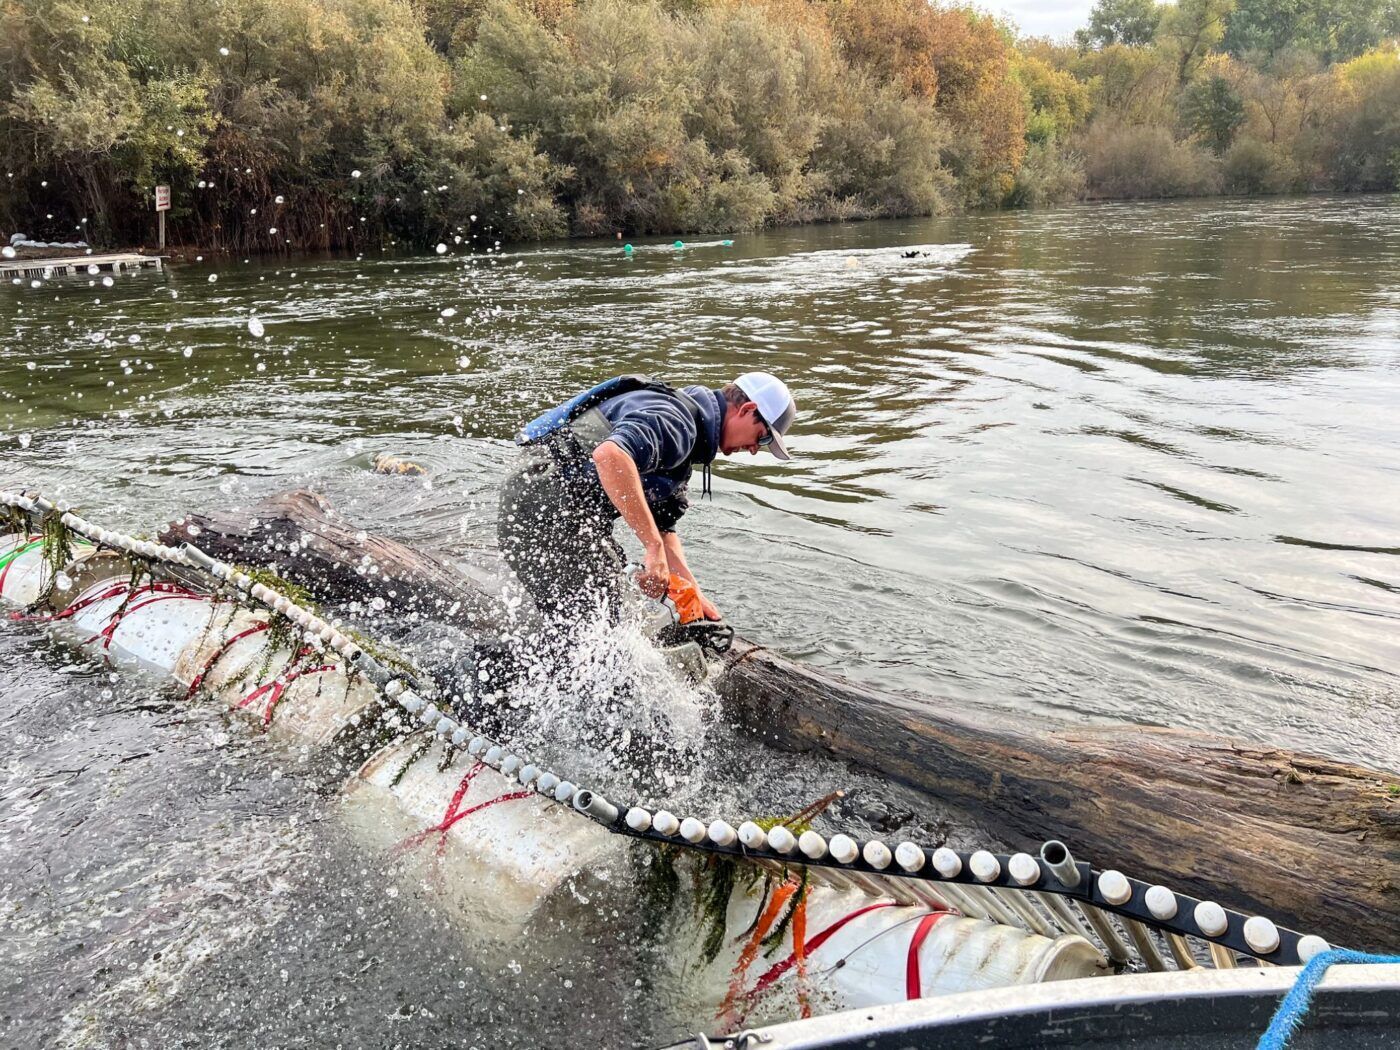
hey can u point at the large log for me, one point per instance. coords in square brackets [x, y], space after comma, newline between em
[1310, 842]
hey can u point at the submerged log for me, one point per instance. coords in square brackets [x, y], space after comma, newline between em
[1308, 841]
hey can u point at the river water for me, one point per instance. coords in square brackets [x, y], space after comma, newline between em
[1114, 463]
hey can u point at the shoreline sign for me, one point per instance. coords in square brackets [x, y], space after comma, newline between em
[162, 206]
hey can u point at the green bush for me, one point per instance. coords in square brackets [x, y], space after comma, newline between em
[1050, 174]
[1251, 166]
[1133, 161]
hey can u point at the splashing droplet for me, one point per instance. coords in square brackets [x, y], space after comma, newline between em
[8, 252]
[448, 311]
[255, 327]
[213, 277]
[441, 248]
[355, 174]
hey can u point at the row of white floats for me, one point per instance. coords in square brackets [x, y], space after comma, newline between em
[515, 826]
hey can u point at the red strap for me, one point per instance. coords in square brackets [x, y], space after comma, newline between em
[766, 981]
[455, 814]
[913, 981]
[479, 806]
[457, 796]
[165, 593]
[222, 651]
[284, 682]
[75, 608]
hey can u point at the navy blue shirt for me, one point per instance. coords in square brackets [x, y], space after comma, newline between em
[659, 433]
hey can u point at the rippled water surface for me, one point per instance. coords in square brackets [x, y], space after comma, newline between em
[1114, 463]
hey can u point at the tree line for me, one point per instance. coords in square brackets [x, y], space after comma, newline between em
[303, 124]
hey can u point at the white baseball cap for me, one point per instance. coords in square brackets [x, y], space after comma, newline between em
[775, 405]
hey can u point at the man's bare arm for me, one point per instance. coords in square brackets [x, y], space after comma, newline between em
[623, 484]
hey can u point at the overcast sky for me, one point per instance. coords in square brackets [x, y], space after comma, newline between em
[1053, 18]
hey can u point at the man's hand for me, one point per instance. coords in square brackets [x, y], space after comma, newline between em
[710, 609]
[655, 576]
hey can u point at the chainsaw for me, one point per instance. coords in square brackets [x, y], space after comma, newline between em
[689, 623]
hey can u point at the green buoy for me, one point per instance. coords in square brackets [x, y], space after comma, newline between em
[628, 249]
[678, 244]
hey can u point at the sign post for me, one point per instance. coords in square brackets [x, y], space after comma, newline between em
[162, 206]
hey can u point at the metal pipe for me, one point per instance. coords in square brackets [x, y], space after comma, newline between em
[1060, 910]
[595, 806]
[1056, 856]
[1022, 908]
[1146, 949]
[995, 910]
[1181, 952]
[1221, 956]
[1117, 950]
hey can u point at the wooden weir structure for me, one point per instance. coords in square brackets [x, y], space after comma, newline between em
[73, 264]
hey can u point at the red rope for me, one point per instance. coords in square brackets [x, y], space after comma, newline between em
[913, 980]
[281, 687]
[766, 981]
[442, 826]
[73, 610]
[455, 813]
[222, 651]
[162, 592]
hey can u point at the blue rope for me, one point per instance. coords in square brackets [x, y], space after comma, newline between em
[1294, 1008]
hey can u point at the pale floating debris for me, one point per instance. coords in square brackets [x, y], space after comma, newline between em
[279, 199]
[441, 248]
[255, 327]
[448, 311]
[355, 174]
[213, 277]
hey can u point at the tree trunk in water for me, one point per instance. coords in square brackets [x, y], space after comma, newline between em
[1312, 843]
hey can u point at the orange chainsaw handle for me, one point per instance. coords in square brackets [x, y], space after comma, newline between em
[686, 598]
